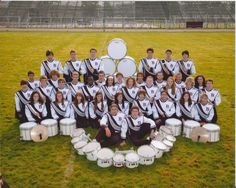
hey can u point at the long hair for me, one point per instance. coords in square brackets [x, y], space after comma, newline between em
[172, 87]
[59, 93]
[196, 82]
[189, 98]
[76, 102]
[130, 78]
[96, 101]
[32, 97]
[107, 80]
[116, 99]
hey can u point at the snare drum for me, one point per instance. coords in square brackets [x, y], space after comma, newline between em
[117, 48]
[170, 138]
[146, 155]
[79, 133]
[79, 146]
[189, 125]
[159, 148]
[127, 66]
[165, 130]
[25, 130]
[67, 126]
[104, 157]
[118, 160]
[168, 144]
[108, 65]
[131, 160]
[175, 125]
[213, 131]
[52, 126]
[91, 150]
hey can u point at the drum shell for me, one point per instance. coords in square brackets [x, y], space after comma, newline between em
[214, 135]
[146, 155]
[104, 163]
[92, 155]
[166, 142]
[67, 128]
[164, 132]
[52, 126]
[119, 163]
[25, 131]
[188, 129]
[133, 163]
[175, 126]
[159, 151]
[80, 149]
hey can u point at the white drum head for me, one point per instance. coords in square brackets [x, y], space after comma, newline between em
[118, 158]
[91, 147]
[173, 121]
[132, 157]
[158, 144]
[67, 121]
[170, 138]
[78, 132]
[108, 65]
[191, 123]
[80, 144]
[105, 154]
[168, 143]
[28, 125]
[49, 122]
[117, 49]
[146, 151]
[211, 127]
[127, 66]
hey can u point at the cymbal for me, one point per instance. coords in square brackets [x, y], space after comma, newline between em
[199, 134]
[39, 133]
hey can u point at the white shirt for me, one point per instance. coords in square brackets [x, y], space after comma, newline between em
[132, 93]
[124, 109]
[66, 108]
[180, 85]
[75, 88]
[53, 83]
[120, 85]
[26, 98]
[100, 83]
[40, 107]
[193, 93]
[191, 110]
[95, 63]
[189, 65]
[160, 85]
[144, 106]
[109, 90]
[140, 84]
[152, 63]
[47, 91]
[82, 108]
[54, 65]
[66, 94]
[166, 108]
[176, 96]
[90, 90]
[153, 93]
[33, 84]
[213, 96]
[171, 65]
[76, 66]
[208, 109]
[93, 114]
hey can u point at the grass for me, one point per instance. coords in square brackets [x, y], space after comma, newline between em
[54, 163]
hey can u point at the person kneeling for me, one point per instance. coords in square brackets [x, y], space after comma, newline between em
[139, 126]
[112, 131]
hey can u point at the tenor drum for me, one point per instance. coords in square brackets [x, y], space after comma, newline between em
[131, 160]
[165, 130]
[117, 48]
[213, 131]
[108, 65]
[175, 126]
[118, 160]
[189, 125]
[52, 126]
[79, 146]
[91, 150]
[25, 130]
[127, 66]
[159, 148]
[67, 126]
[146, 155]
[104, 157]
[168, 144]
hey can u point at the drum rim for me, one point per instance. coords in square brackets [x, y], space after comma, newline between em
[82, 141]
[108, 150]
[129, 71]
[211, 125]
[70, 119]
[147, 152]
[90, 143]
[158, 145]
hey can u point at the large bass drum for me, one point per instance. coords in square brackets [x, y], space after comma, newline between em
[108, 65]
[117, 48]
[127, 66]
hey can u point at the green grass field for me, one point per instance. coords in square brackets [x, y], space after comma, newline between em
[54, 163]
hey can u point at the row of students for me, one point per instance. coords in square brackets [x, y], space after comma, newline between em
[91, 66]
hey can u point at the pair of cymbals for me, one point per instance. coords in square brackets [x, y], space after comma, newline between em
[199, 134]
[39, 133]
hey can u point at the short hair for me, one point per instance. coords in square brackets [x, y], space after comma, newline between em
[49, 52]
[23, 82]
[134, 108]
[54, 72]
[139, 73]
[101, 72]
[62, 80]
[164, 91]
[149, 77]
[113, 105]
[130, 78]
[30, 72]
[209, 80]
[72, 51]
[142, 91]
[75, 72]
[150, 50]
[43, 77]
[160, 72]
[93, 49]
[168, 50]
[185, 52]
[190, 79]
[119, 74]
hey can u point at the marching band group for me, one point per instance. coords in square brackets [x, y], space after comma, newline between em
[120, 109]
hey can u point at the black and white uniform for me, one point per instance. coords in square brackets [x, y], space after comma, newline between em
[21, 100]
[47, 67]
[180, 85]
[169, 68]
[152, 92]
[119, 85]
[138, 128]
[140, 84]
[33, 84]
[31, 111]
[193, 93]
[80, 114]
[75, 88]
[185, 111]
[109, 93]
[144, 106]
[54, 84]
[92, 64]
[100, 83]
[153, 64]
[130, 94]
[161, 84]
[213, 96]
[60, 111]
[48, 93]
[206, 113]
[124, 107]
[71, 66]
[95, 115]
[174, 97]
[90, 91]
[117, 128]
[189, 65]
[66, 94]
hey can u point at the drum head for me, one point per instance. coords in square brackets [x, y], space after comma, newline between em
[27, 125]
[170, 138]
[91, 147]
[67, 121]
[211, 127]
[118, 157]
[132, 157]
[105, 153]
[168, 143]
[158, 145]
[80, 144]
[146, 151]
[173, 121]
[48, 122]
[191, 123]
[127, 66]
[108, 65]
[117, 49]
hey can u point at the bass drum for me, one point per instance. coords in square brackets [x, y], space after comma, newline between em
[108, 65]
[127, 66]
[117, 48]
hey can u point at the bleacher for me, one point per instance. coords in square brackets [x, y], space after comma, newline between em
[129, 14]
